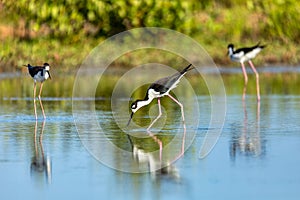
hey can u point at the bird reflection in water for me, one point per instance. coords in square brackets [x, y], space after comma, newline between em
[249, 142]
[41, 166]
[157, 165]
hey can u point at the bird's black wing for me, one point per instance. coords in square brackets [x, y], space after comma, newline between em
[248, 49]
[34, 70]
[164, 84]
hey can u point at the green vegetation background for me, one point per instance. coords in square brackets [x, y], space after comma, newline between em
[63, 32]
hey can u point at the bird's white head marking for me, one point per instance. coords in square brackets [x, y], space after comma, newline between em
[135, 106]
[47, 66]
[230, 48]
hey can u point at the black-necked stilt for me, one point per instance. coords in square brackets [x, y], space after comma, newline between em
[158, 89]
[246, 54]
[39, 74]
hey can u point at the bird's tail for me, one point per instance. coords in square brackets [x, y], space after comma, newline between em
[188, 68]
[260, 46]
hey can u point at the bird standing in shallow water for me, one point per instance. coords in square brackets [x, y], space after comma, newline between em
[246, 54]
[39, 74]
[158, 89]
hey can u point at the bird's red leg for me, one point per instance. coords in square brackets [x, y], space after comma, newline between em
[41, 100]
[257, 80]
[184, 127]
[34, 104]
[159, 115]
[181, 106]
[246, 80]
[183, 140]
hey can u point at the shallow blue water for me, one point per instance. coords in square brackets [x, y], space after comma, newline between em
[256, 156]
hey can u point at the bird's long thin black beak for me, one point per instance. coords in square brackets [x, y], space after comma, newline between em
[49, 75]
[130, 118]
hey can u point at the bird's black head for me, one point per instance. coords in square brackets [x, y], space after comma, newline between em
[230, 46]
[134, 107]
[46, 67]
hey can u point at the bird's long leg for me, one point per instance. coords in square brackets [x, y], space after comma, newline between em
[257, 80]
[41, 100]
[181, 153]
[183, 140]
[184, 126]
[181, 106]
[34, 104]
[159, 115]
[246, 80]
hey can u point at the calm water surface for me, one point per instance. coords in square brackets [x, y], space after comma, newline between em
[256, 156]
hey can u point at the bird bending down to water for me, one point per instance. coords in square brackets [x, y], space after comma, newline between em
[39, 74]
[246, 54]
[158, 89]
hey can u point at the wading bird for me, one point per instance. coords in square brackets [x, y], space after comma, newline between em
[158, 89]
[246, 54]
[39, 74]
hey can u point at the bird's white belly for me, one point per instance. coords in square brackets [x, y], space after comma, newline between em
[253, 53]
[238, 57]
[38, 77]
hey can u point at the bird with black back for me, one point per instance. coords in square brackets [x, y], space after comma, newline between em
[158, 89]
[39, 74]
[245, 54]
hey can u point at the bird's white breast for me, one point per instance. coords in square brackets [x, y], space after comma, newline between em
[237, 57]
[38, 77]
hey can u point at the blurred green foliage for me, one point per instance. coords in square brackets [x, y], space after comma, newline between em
[236, 19]
[63, 32]
[65, 18]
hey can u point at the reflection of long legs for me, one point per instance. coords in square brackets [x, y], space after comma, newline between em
[35, 144]
[159, 115]
[39, 150]
[34, 104]
[246, 80]
[181, 106]
[257, 80]
[243, 137]
[40, 163]
[159, 142]
[259, 145]
[47, 160]
[41, 139]
[258, 118]
[41, 100]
